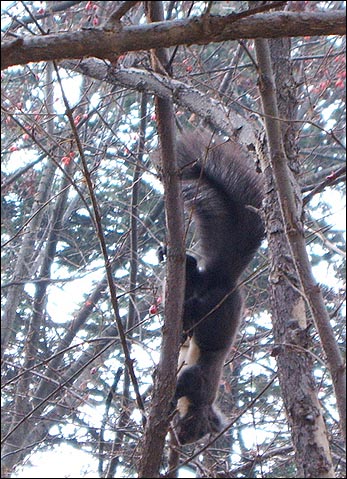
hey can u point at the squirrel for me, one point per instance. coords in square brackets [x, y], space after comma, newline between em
[224, 193]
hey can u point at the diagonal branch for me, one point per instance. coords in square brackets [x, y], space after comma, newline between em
[212, 111]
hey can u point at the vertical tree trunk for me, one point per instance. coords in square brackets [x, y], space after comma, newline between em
[295, 363]
[158, 420]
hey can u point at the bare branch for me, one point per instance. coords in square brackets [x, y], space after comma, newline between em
[213, 112]
[196, 30]
[119, 12]
[158, 419]
[294, 231]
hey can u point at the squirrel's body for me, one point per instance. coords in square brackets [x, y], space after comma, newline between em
[223, 192]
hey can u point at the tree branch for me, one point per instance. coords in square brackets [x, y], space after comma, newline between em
[213, 112]
[158, 418]
[196, 30]
[294, 230]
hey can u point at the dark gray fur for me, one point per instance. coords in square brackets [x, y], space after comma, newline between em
[219, 183]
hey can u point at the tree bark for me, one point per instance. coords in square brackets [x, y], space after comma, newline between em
[158, 419]
[295, 363]
[201, 30]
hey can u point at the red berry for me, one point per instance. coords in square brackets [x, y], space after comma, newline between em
[153, 309]
[66, 160]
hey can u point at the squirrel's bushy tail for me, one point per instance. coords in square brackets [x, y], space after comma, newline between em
[221, 186]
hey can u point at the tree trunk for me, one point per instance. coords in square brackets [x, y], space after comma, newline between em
[292, 350]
